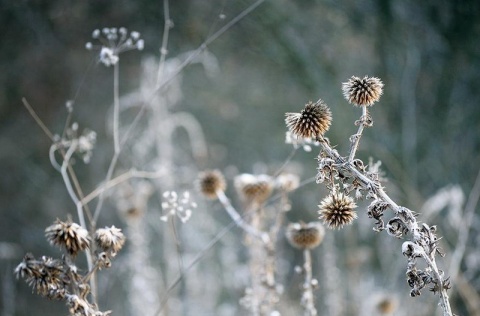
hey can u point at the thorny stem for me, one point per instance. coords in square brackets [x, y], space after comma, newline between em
[356, 137]
[413, 225]
[307, 296]
[239, 220]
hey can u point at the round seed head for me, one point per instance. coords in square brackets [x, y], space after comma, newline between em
[337, 210]
[254, 188]
[109, 239]
[314, 120]
[362, 92]
[210, 182]
[305, 236]
[68, 235]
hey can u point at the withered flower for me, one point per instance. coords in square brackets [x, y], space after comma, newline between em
[110, 239]
[314, 120]
[68, 235]
[210, 182]
[305, 236]
[253, 188]
[362, 92]
[337, 210]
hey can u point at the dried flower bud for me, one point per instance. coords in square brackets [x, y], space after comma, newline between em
[254, 188]
[110, 239]
[314, 120]
[305, 236]
[362, 92]
[68, 235]
[337, 210]
[210, 182]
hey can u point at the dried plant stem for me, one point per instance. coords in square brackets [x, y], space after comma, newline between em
[239, 220]
[116, 108]
[307, 297]
[464, 230]
[414, 229]
[355, 139]
[163, 49]
[37, 119]
[81, 218]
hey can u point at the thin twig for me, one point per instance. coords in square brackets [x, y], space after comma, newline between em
[38, 120]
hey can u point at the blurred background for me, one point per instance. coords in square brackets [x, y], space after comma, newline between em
[225, 110]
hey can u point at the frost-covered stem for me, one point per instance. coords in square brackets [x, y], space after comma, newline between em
[356, 137]
[307, 296]
[239, 220]
[413, 226]
[163, 49]
[81, 218]
[444, 303]
[116, 108]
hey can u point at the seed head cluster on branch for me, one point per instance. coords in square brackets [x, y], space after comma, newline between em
[346, 175]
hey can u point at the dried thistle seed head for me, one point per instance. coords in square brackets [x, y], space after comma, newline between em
[253, 188]
[110, 239]
[210, 182]
[362, 92]
[337, 210]
[305, 236]
[68, 235]
[314, 120]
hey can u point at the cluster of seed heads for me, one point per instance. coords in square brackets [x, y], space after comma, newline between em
[60, 279]
[346, 175]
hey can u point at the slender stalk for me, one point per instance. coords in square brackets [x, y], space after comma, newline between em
[239, 220]
[163, 49]
[356, 137]
[116, 108]
[307, 297]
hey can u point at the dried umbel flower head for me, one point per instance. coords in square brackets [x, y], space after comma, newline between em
[110, 239]
[70, 236]
[362, 92]
[210, 182]
[114, 41]
[337, 210]
[314, 120]
[305, 236]
[254, 188]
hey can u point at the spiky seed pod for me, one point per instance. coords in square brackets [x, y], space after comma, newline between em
[210, 182]
[110, 239]
[305, 236]
[362, 92]
[68, 235]
[254, 188]
[314, 120]
[337, 210]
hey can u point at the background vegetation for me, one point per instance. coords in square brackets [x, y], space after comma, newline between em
[281, 55]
